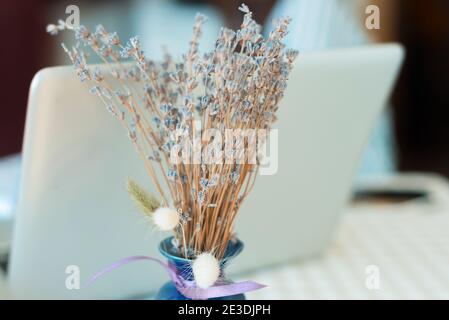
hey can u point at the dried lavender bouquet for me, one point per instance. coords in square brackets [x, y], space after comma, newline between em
[237, 86]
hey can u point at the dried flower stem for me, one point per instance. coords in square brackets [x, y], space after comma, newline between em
[163, 105]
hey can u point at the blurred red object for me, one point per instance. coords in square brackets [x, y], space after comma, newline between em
[23, 52]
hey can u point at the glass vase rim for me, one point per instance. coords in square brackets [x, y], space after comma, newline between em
[234, 247]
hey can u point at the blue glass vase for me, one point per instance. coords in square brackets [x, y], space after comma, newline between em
[183, 266]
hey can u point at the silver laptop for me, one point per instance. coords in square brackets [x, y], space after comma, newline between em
[74, 209]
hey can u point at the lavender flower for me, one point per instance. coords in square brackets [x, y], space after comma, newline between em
[238, 85]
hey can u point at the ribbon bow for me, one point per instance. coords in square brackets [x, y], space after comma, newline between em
[187, 288]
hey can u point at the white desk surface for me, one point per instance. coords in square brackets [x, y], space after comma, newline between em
[408, 244]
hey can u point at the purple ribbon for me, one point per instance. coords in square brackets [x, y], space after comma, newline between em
[187, 288]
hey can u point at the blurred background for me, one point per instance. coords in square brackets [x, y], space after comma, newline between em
[420, 132]
[412, 134]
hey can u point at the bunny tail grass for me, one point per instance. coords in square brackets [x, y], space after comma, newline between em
[146, 202]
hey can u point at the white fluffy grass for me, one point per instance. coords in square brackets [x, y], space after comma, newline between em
[165, 219]
[206, 270]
